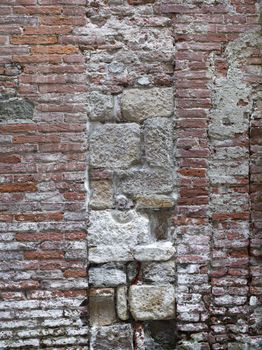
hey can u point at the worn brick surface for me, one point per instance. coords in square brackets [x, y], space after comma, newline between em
[178, 85]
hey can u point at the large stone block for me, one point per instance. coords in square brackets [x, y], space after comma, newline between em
[149, 302]
[114, 145]
[140, 104]
[146, 181]
[158, 136]
[102, 306]
[156, 251]
[112, 253]
[114, 227]
[117, 337]
[108, 275]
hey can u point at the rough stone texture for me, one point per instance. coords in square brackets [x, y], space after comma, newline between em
[152, 302]
[102, 195]
[138, 104]
[101, 307]
[117, 337]
[145, 181]
[158, 136]
[109, 275]
[154, 252]
[110, 253]
[16, 108]
[159, 272]
[114, 145]
[100, 107]
[121, 303]
[110, 227]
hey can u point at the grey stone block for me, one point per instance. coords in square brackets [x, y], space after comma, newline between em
[114, 145]
[100, 106]
[140, 104]
[149, 302]
[145, 181]
[101, 306]
[117, 337]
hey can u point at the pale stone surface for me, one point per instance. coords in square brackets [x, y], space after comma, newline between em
[154, 201]
[146, 181]
[140, 104]
[114, 145]
[108, 275]
[102, 195]
[121, 303]
[156, 251]
[100, 107]
[148, 302]
[159, 271]
[110, 253]
[114, 227]
[102, 306]
[158, 136]
[117, 337]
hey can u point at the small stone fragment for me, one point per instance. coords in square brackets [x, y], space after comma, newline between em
[114, 145]
[102, 195]
[140, 104]
[116, 337]
[101, 306]
[114, 227]
[158, 135]
[148, 302]
[108, 275]
[156, 251]
[16, 108]
[121, 303]
[100, 106]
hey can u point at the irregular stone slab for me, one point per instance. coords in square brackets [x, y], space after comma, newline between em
[121, 303]
[102, 195]
[148, 302]
[101, 306]
[154, 202]
[158, 136]
[16, 108]
[104, 254]
[108, 275]
[114, 145]
[140, 104]
[156, 251]
[159, 271]
[146, 181]
[100, 106]
[117, 337]
[114, 227]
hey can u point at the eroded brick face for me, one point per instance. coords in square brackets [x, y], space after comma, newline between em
[130, 175]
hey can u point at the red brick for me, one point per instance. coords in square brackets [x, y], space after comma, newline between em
[16, 187]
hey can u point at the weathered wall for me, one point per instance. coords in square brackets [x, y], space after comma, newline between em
[138, 122]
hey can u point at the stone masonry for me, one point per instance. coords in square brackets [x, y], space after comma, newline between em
[130, 175]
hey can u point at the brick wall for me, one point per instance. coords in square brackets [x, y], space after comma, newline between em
[138, 122]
